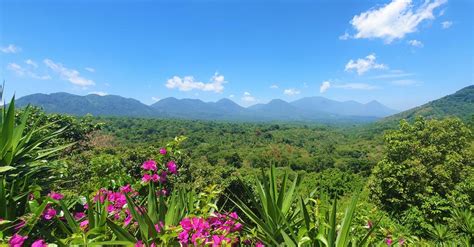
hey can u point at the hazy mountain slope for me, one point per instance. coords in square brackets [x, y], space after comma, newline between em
[315, 105]
[109, 105]
[460, 104]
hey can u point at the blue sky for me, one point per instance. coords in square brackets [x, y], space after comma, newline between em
[402, 53]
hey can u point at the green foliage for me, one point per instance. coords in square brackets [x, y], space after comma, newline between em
[423, 167]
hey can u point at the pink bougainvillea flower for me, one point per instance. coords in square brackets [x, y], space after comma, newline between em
[126, 188]
[162, 151]
[183, 237]
[159, 226]
[39, 243]
[259, 244]
[49, 213]
[79, 215]
[172, 168]
[149, 165]
[146, 178]
[84, 224]
[17, 240]
[155, 177]
[55, 196]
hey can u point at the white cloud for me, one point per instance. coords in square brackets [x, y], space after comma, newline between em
[70, 75]
[32, 63]
[231, 96]
[155, 99]
[248, 98]
[345, 36]
[11, 48]
[363, 65]
[291, 91]
[21, 71]
[393, 20]
[355, 86]
[92, 70]
[188, 83]
[415, 43]
[446, 24]
[274, 86]
[99, 93]
[405, 82]
[324, 86]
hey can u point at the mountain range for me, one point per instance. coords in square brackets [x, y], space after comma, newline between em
[305, 109]
[315, 109]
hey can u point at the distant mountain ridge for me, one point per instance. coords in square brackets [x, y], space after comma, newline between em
[306, 109]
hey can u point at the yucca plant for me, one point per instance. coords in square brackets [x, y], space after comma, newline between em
[282, 218]
[274, 216]
[19, 152]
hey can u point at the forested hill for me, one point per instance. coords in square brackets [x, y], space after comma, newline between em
[310, 109]
[459, 104]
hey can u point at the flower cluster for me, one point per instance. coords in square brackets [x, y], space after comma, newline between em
[216, 230]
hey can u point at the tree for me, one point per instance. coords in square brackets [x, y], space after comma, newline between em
[422, 166]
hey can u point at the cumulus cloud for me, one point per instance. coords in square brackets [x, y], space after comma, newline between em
[393, 20]
[92, 70]
[248, 98]
[71, 75]
[446, 24]
[291, 91]
[324, 86]
[188, 83]
[274, 86]
[98, 93]
[22, 71]
[355, 86]
[11, 48]
[363, 65]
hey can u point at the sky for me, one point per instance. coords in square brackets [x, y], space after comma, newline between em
[401, 53]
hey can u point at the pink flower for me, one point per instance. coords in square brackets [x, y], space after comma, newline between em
[139, 244]
[126, 188]
[49, 213]
[79, 215]
[159, 226]
[39, 243]
[172, 168]
[56, 196]
[259, 244]
[149, 165]
[389, 241]
[84, 224]
[369, 224]
[155, 177]
[146, 178]
[162, 151]
[17, 240]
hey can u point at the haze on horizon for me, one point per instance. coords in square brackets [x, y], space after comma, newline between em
[401, 53]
